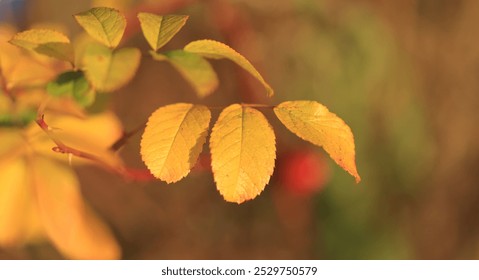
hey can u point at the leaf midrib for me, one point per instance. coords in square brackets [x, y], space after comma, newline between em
[103, 29]
[174, 139]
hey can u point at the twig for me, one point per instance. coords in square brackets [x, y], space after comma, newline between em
[127, 173]
[125, 137]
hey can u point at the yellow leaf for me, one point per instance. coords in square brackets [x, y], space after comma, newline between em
[173, 139]
[216, 50]
[158, 30]
[194, 68]
[47, 42]
[313, 122]
[19, 222]
[28, 72]
[109, 70]
[243, 152]
[71, 224]
[106, 25]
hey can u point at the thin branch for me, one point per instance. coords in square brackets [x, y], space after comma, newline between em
[125, 137]
[127, 173]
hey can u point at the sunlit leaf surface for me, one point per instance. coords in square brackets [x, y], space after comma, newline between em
[243, 152]
[158, 30]
[173, 139]
[313, 122]
[106, 25]
[216, 50]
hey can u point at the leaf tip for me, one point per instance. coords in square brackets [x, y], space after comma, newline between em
[356, 176]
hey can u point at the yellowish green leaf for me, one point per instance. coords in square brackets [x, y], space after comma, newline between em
[22, 69]
[173, 139]
[47, 42]
[158, 30]
[194, 68]
[106, 25]
[313, 122]
[108, 70]
[216, 50]
[71, 224]
[243, 152]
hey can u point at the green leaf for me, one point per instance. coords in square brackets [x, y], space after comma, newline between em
[73, 84]
[313, 122]
[44, 41]
[194, 68]
[173, 139]
[158, 30]
[243, 152]
[106, 25]
[108, 70]
[216, 50]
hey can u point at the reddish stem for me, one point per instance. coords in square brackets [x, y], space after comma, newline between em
[127, 173]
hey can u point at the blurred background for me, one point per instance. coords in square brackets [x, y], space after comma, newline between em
[403, 74]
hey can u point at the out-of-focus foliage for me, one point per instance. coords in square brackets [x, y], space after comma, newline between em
[109, 70]
[194, 68]
[40, 197]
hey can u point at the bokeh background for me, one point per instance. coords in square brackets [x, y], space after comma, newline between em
[403, 74]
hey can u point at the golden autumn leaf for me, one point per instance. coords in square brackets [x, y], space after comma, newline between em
[194, 68]
[106, 25]
[173, 139]
[40, 198]
[158, 30]
[44, 41]
[108, 70]
[19, 221]
[313, 122]
[216, 50]
[243, 152]
[70, 223]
